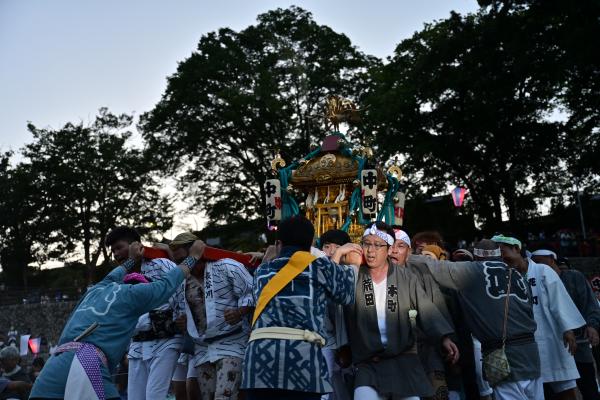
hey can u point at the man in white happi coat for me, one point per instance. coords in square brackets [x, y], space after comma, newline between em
[556, 316]
[218, 301]
[155, 347]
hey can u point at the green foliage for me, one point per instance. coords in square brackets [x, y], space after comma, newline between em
[86, 180]
[469, 100]
[22, 221]
[242, 95]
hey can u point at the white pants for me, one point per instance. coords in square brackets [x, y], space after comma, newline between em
[368, 393]
[337, 380]
[150, 379]
[521, 390]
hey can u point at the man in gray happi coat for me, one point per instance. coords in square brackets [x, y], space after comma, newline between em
[482, 286]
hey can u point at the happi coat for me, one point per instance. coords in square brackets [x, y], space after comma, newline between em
[582, 295]
[429, 350]
[482, 289]
[397, 370]
[294, 364]
[226, 284]
[146, 350]
[555, 313]
[116, 307]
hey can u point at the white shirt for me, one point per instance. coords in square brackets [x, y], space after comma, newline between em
[380, 290]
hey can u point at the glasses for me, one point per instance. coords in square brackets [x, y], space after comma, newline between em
[376, 246]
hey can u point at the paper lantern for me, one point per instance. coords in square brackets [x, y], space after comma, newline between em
[458, 196]
[34, 345]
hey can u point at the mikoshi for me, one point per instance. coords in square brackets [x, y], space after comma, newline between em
[338, 185]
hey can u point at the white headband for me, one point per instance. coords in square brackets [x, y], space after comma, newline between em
[487, 253]
[383, 235]
[401, 235]
[544, 252]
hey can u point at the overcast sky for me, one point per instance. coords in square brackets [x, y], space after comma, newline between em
[61, 60]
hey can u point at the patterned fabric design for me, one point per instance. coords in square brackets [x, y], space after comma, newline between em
[88, 357]
[128, 264]
[227, 285]
[153, 270]
[220, 380]
[440, 387]
[74, 346]
[287, 364]
[194, 295]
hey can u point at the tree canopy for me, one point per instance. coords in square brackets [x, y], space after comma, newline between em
[242, 95]
[76, 183]
[475, 100]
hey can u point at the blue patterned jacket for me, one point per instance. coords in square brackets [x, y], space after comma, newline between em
[302, 304]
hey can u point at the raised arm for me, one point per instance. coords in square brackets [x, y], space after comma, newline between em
[453, 275]
[146, 297]
[117, 274]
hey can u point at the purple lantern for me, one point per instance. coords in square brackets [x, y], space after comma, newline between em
[458, 196]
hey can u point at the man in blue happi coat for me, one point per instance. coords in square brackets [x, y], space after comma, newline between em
[99, 330]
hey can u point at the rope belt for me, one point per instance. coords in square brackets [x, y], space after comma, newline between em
[279, 332]
[75, 346]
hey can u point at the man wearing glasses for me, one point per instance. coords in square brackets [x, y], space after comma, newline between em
[390, 303]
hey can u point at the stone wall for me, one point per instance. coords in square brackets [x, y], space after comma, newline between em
[39, 319]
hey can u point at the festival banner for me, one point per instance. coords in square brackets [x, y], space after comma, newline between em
[24, 345]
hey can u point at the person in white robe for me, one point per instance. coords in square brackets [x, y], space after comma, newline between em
[218, 302]
[556, 316]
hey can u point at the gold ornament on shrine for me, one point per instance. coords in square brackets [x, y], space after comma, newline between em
[338, 185]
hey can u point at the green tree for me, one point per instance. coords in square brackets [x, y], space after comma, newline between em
[22, 226]
[469, 100]
[91, 179]
[240, 96]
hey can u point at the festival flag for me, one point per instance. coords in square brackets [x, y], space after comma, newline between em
[24, 345]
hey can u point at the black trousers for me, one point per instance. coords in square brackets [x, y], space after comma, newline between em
[587, 381]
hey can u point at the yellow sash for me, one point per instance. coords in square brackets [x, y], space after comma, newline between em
[297, 263]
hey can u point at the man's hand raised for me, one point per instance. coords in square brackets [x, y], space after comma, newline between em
[197, 249]
[136, 251]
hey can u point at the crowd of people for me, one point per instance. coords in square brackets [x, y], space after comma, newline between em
[390, 317]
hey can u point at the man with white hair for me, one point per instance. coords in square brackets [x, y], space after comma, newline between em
[556, 317]
[9, 359]
[13, 389]
[582, 295]
[430, 355]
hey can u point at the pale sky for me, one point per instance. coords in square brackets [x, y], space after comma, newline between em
[61, 60]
